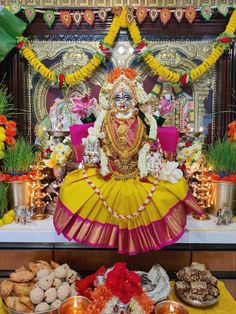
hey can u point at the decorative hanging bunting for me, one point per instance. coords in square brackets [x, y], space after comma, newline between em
[165, 16]
[141, 14]
[66, 18]
[77, 18]
[179, 14]
[15, 8]
[206, 12]
[129, 17]
[116, 10]
[49, 17]
[89, 17]
[190, 14]
[30, 14]
[102, 14]
[223, 9]
[153, 13]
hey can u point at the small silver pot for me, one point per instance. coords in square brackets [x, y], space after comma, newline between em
[223, 194]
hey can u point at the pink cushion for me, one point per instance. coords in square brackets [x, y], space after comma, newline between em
[168, 137]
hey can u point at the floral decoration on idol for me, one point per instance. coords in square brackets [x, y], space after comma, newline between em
[56, 153]
[121, 292]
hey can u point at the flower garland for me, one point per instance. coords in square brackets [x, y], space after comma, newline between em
[111, 211]
[223, 43]
[81, 74]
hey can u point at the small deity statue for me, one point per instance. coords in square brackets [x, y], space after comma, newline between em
[71, 109]
[126, 196]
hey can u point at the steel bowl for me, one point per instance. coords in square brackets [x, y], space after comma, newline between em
[196, 303]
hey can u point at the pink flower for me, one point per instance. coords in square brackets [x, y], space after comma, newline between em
[82, 105]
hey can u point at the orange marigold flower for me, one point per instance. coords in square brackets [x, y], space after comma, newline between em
[10, 140]
[9, 131]
[3, 119]
[232, 131]
[117, 72]
[11, 124]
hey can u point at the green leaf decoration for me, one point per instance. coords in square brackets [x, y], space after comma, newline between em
[30, 14]
[223, 9]
[206, 12]
[49, 17]
[15, 8]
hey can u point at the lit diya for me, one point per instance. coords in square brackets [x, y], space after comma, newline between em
[74, 305]
[170, 307]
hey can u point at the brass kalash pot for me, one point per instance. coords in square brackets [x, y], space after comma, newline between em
[223, 194]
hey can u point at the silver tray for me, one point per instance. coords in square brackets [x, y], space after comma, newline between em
[196, 303]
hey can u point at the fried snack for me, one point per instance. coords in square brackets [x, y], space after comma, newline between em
[21, 289]
[26, 301]
[44, 264]
[22, 276]
[20, 269]
[6, 288]
[10, 301]
[54, 265]
[20, 307]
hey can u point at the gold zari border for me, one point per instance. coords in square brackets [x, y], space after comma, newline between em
[111, 3]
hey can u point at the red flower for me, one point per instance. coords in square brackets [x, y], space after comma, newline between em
[225, 40]
[184, 79]
[104, 50]
[10, 140]
[140, 46]
[61, 78]
[9, 131]
[20, 45]
[123, 283]
[187, 144]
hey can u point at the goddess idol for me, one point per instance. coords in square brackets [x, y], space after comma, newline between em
[126, 194]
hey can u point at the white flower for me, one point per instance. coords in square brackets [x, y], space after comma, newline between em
[170, 173]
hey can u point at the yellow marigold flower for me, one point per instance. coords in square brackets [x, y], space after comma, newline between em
[11, 213]
[1, 154]
[1, 222]
[7, 219]
[2, 137]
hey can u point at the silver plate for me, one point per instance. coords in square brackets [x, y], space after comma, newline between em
[196, 303]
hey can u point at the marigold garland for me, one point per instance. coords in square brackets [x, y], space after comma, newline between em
[222, 44]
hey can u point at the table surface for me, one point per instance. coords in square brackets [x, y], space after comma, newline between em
[226, 304]
[43, 232]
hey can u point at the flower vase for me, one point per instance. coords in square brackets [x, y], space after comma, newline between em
[223, 194]
[59, 172]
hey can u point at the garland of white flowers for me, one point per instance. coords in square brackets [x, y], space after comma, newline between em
[143, 153]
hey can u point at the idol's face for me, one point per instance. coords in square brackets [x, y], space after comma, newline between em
[123, 98]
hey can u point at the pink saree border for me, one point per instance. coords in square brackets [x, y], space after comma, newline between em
[180, 209]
